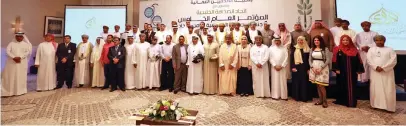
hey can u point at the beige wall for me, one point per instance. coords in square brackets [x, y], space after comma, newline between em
[32, 13]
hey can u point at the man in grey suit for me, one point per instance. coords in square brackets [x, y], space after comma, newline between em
[179, 58]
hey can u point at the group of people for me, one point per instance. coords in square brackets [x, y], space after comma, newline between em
[226, 61]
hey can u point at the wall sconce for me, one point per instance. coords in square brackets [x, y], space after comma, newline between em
[17, 25]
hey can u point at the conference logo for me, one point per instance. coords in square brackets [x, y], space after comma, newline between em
[91, 23]
[149, 12]
[387, 22]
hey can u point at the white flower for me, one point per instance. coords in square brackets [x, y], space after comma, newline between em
[154, 112]
[163, 113]
[172, 107]
[163, 101]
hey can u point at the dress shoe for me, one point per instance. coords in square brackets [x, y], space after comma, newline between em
[122, 89]
[57, 88]
[112, 90]
[170, 90]
[80, 85]
[103, 88]
[69, 87]
[175, 92]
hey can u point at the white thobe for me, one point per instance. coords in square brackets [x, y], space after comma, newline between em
[175, 37]
[194, 83]
[348, 32]
[365, 39]
[161, 35]
[125, 35]
[237, 36]
[287, 41]
[252, 34]
[129, 74]
[260, 76]
[220, 36]
[104, 35]
[278, 56]
[116, 34]
[98, 78]
[382, 86]
[82, 70]
[45, 58]
[140, 57]
[136, 37]
[335, 30]
[14, 76]
[204, 39]
[154, 66]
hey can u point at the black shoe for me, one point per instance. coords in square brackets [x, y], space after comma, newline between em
[80, 85]
[242, 95]
[103, 88]
[195, 93]
[69, 87]
[246, 95]
[57, 88]
[122, 89]
[112, 90]
[160, 89]
[170, 90]
[175, 92]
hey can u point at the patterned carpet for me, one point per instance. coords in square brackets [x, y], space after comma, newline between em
[92, 106]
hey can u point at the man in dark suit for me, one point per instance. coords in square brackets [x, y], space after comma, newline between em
[145, 28]
[116, 56]
[179, 59]
[149, 34]
[250, 33]
[65, 66]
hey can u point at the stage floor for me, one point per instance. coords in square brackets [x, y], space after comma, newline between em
[90, 106]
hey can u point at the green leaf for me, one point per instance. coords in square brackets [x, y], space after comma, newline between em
[309, 6]
[300, 12]
[299, 6]
[305, 6]
[309, 12]
[307, 1]
[301, 1]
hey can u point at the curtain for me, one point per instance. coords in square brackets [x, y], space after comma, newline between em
[129, 3]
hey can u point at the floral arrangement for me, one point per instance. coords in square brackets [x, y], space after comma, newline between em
[165, 110]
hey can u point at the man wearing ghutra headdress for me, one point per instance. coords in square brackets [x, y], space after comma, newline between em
[45, 62]
[98, 78]
[279, 60]
[319, 28]
[14, 76]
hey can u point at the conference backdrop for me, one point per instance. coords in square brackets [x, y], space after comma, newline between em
[225, 11]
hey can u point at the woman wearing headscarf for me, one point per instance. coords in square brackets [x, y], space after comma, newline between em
[244, 66]
[347, 65]
[299, 63]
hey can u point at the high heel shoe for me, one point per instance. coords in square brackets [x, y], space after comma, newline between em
[325, 105]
